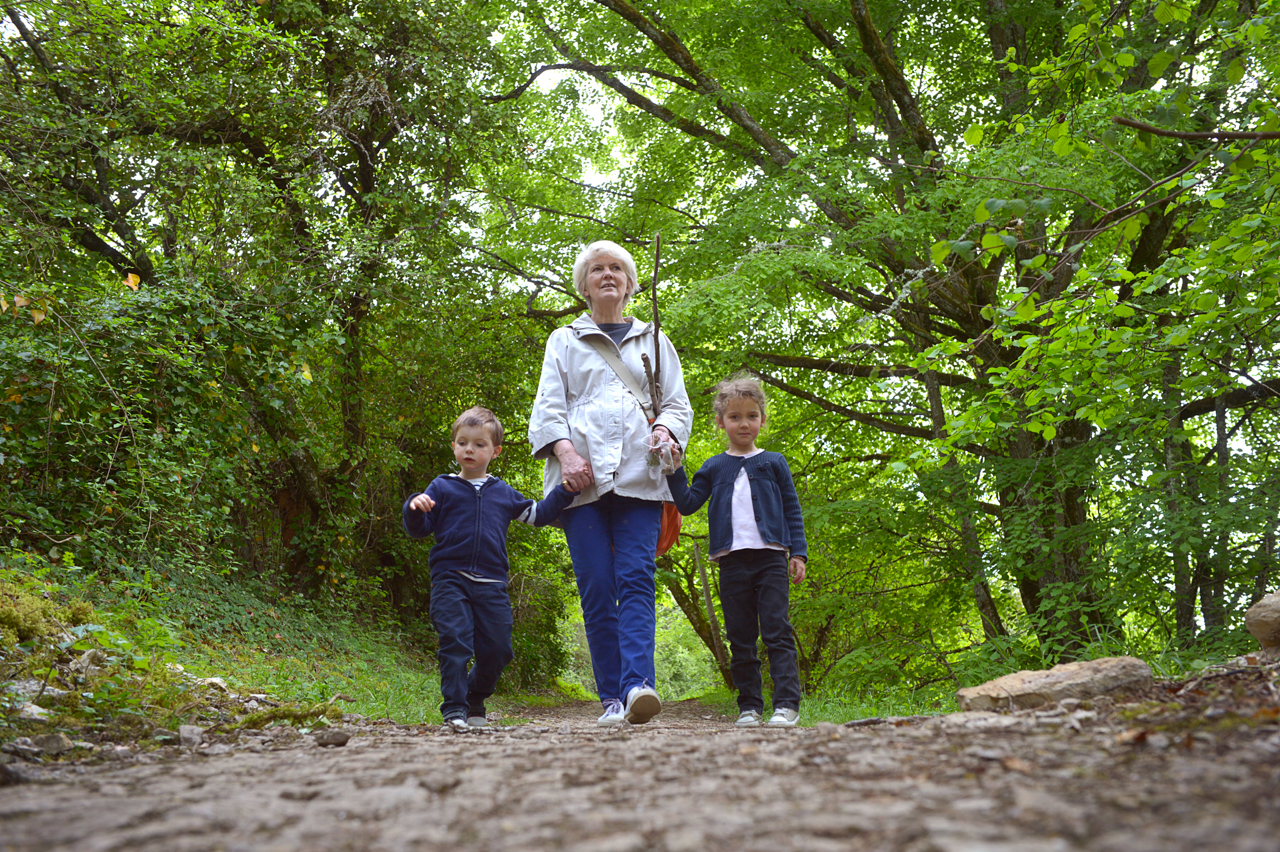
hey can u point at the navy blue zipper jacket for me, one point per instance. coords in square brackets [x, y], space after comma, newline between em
[470, 524]
[773, 496]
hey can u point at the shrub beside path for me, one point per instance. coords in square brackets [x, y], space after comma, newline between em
[1183, 767]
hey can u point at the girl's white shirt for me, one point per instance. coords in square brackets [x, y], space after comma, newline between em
[746, 532]
[581, 398]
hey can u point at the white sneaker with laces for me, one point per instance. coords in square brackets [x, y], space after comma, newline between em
[613, 714]
[784, 717]
[642, 704]
[748, 719]
[456, 723]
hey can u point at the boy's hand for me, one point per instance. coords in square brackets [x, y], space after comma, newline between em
[676, 455]
[422, 503]
[796, 569]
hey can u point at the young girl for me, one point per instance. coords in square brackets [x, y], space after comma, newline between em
[757, 537]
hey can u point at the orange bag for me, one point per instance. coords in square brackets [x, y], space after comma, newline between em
[669, 536]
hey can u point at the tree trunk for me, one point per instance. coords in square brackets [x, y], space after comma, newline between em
[678, 579]
[1175, 449]
[992, 625]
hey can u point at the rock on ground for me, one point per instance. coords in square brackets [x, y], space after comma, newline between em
[1263, 622]
[1085, 679]
[1060, 779]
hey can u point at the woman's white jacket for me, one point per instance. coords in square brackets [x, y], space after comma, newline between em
[581, 398]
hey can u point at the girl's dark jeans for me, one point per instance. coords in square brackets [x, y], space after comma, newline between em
[754, 595]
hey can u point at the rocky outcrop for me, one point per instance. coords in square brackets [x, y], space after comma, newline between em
[1263, 621]
[1086, 679]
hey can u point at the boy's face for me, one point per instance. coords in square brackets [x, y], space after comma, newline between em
[473, 447]
[742, 422]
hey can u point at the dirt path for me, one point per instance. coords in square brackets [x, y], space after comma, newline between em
[1066, 779]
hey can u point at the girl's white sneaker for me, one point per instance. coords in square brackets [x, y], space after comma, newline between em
[748, 719]
[784, 717]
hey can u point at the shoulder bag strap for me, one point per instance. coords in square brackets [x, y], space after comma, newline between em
[611, 357]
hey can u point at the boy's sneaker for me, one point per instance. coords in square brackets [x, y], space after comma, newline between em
[642, 704]
[477, 721]
[784, 717]
[613, 714]
[456, 723]
[748, 719]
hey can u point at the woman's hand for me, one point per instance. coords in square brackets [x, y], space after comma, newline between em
[574, 469]
[662, 441]
[796, 570]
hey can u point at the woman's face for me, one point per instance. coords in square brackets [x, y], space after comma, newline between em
[606, 281]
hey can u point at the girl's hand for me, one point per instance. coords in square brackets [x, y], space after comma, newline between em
[422, 503]
[796, 569]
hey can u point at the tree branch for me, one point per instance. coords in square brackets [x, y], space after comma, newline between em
[1226, 135]
[860, 371]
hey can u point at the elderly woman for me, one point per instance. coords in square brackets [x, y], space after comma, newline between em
[596, 435]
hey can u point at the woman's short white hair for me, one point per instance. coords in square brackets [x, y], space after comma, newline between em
[597, 249]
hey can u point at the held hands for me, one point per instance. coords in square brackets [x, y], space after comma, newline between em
[664, 450]
[795, 568]
[575, 471]
[422, 503]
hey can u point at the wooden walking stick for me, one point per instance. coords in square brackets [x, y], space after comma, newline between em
[653, 372]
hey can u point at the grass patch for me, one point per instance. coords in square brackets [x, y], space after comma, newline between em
[155, 636]
[840, 707]
[363, 673]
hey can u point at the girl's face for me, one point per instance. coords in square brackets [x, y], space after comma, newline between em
[742, 422]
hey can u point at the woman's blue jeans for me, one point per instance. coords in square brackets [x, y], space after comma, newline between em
[612, 542]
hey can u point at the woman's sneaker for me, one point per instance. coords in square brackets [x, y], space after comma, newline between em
[642, 704]
[748, 719]
[784, 717]
[477, 721]
[613, 714]
[456, 723]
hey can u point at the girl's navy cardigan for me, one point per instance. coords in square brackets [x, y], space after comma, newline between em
[470, 524]
[773, 496]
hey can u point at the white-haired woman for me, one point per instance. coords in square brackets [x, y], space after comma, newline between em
[595, 434]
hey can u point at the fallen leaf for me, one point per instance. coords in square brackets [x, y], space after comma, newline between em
[1017, 764]
[1133, 737]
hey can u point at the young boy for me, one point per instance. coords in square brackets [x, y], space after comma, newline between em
[757, 537]
[468, 512]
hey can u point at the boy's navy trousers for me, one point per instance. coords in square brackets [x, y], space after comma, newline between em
[471, 619]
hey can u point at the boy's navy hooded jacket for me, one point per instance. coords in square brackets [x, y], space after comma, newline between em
[773, 496]
[470, 524]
